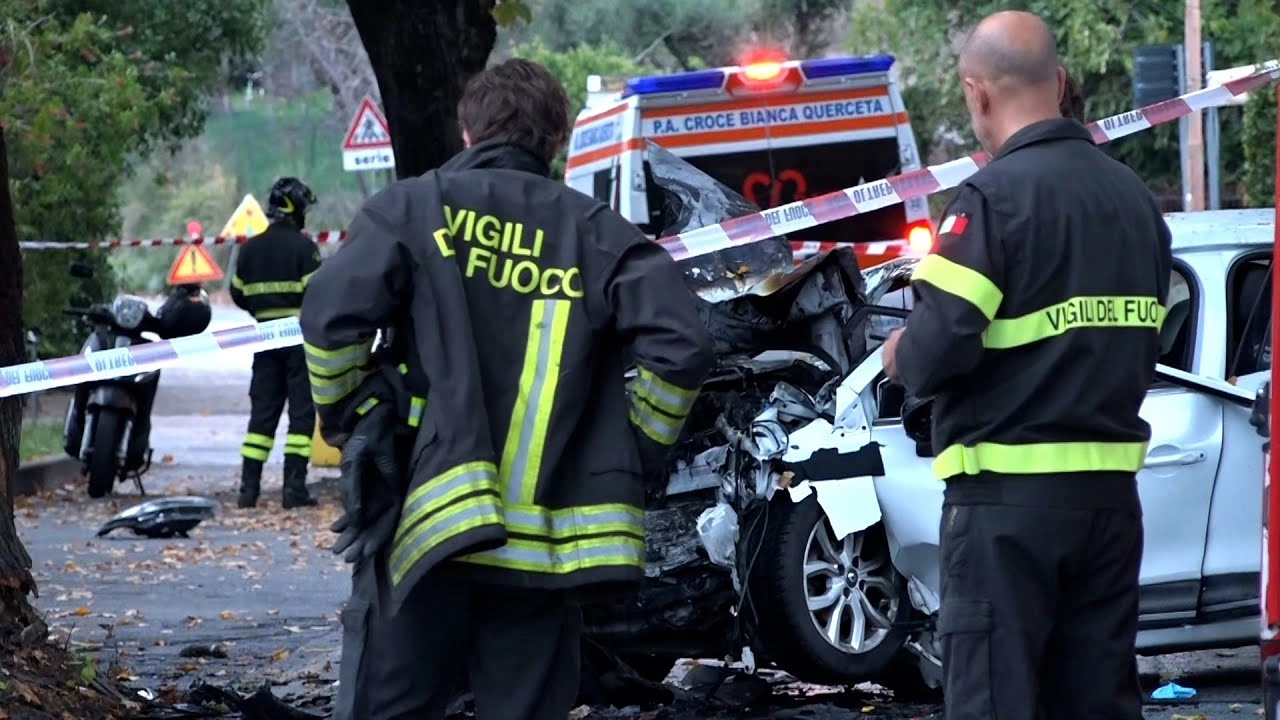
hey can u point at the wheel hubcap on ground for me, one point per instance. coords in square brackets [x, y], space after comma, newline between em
[849, 588]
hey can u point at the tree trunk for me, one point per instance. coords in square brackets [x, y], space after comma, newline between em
[15, 565]
[423, 54]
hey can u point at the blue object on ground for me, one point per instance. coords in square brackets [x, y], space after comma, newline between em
[1172, 691]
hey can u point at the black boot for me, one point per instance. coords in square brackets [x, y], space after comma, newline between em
[295, 483]
[250, 483]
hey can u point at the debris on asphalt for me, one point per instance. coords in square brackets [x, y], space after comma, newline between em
[1172, 691]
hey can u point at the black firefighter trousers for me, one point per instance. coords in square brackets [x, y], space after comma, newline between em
[1040, 597]
[278, 376]
[518, 649]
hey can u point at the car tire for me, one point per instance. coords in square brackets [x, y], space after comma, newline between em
[796, 535]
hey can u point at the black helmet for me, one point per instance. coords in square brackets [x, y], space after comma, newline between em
[290, 198]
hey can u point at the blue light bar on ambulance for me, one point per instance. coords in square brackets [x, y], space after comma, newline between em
[680, 82]
[838, 67]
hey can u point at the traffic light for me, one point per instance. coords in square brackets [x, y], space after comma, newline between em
[1157, 74]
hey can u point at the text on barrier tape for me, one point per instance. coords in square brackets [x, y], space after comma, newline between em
[799, 215]
[119, 362]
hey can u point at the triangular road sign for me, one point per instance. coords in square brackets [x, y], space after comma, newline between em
[248, 219]
[194, 266]
[368, 129]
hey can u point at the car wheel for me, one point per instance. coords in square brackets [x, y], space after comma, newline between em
[829, 611]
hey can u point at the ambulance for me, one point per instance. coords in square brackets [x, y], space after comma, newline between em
[773, 130]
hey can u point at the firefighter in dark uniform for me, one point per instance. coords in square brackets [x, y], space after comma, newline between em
[515, 306]
[271, 274]
[1036, 333]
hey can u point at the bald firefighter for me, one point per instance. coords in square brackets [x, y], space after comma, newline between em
[1036, 331]
[271, 274]
[494, 462]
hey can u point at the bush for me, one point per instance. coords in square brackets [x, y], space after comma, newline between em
[1259, 139]
[49, 289]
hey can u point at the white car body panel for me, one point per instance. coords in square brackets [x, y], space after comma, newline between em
[1200, 486]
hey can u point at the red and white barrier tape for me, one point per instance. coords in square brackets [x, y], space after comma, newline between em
[325, 236]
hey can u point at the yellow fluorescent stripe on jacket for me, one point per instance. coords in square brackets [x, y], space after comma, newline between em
[1103, 311]
[527, 434]
[662, 395]
[332, 363]
[275, 287]
[1040, 458]
[457, 500]
[956, 279]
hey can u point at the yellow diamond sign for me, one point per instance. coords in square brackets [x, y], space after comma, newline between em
[248, 219]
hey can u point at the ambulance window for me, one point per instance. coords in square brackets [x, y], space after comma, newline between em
[1178, 331]
[1249, 315]
[805, 172]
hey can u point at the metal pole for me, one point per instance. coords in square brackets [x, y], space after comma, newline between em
[1212, 138]
[1195, 122]
[1183, 130]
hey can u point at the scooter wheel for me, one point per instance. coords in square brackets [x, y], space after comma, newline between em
[108, 432]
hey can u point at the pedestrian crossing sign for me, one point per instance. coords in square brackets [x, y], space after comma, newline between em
[194, 266]
[248, 219]
[367, 145]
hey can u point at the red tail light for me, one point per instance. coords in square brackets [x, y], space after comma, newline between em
[920, 238]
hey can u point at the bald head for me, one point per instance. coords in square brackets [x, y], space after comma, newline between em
[1013, 50]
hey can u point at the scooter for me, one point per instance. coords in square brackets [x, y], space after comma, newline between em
[108, 424]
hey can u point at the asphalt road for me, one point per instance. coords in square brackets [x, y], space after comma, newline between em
[254, 595]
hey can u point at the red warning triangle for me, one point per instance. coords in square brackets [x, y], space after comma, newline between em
[368, 128]
[193, 266]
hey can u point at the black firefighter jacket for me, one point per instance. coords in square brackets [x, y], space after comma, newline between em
[1038, 316]
[272, 270]
[523, 301]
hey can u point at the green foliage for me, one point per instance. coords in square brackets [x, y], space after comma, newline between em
[40, 439]
[689, 31]
[1259, 138]
[573, 66]
[510, 12]
[179, 50]
[49, 289]
[84, 88]
[1095, 38]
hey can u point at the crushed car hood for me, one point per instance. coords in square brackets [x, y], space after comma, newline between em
[752, 298]
[692, 199]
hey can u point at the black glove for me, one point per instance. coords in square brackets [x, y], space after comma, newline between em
[370, 482]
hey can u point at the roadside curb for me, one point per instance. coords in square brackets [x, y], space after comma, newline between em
[37, 475]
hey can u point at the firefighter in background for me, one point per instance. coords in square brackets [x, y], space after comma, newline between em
[516, 305]
[270, 276]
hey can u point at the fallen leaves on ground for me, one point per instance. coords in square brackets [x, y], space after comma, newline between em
[47, 681]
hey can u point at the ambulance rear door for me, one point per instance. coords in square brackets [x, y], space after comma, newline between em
[783, 131]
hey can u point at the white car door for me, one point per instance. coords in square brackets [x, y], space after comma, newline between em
[1176, 486]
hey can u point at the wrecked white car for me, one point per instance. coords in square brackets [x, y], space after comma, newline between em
[800, 524]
